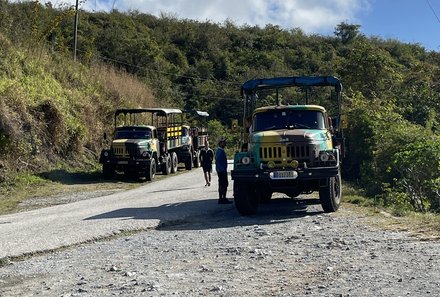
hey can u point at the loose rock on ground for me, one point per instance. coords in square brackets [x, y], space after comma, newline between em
[286, 250]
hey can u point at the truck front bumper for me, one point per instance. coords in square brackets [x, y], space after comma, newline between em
[122, 162]
[256, 175]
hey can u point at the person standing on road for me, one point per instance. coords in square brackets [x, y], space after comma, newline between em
[207, 156]
[221, 166]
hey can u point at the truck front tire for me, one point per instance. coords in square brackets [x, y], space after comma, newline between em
[107, 171]
[264, 194]
[151, 170]
[330, 195]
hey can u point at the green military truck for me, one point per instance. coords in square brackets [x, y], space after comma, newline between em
[198, 134]
[134, 149]
[289, 148]
[147, 140]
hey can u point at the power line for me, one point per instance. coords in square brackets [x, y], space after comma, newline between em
[173, 74]
[433, 11]
[161, 71]
[75, 30]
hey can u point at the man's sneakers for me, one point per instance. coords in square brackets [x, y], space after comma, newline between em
[224, 201]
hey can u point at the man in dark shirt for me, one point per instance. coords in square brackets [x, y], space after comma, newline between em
[207, 156]
[221, 166]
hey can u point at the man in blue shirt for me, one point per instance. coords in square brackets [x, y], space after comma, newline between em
[221, 166]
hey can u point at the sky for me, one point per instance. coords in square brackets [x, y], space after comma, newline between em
[409, 21]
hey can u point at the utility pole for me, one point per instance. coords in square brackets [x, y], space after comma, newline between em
[75, 31]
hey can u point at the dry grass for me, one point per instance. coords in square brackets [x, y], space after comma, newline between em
[125, 88]
[55, 111]
[422, 226]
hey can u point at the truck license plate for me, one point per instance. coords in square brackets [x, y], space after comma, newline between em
[122, 162]
[283, 174]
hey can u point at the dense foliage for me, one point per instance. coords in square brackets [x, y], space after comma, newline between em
[391, 88]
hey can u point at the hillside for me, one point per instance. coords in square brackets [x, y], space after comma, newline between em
[54, 109]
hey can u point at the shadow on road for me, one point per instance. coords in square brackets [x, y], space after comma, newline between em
[207, 214]
[74, 178]
[70, 178]
[77, 178]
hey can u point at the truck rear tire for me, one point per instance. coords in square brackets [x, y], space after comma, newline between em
[197, 159]
[330, 195]
[245, 198]
[151, 170]
[174, 162]
[188, 164]
[166, 166]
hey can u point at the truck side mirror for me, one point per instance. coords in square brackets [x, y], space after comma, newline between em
[234, 125]
[343, 121]
[330, 124]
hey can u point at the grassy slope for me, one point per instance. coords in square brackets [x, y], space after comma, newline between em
[53, 113]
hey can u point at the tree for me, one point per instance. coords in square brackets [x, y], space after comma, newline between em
[346, 32]
[370, 70]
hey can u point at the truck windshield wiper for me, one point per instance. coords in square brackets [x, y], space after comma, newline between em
[297, 126]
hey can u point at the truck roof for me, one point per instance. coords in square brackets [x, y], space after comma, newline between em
[161, 111]
[254, 85]
[294, 107]
[197, 112]
[136, 127]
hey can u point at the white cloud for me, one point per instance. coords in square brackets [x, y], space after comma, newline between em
[312, 16]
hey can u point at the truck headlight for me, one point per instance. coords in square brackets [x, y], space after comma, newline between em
[245, 160]
[145, 154]
[327, 156]
[324, 157]
[294, 164]
[271, 164]
[105, 154]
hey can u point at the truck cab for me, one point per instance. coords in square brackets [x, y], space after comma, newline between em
[134, 149]
[146, 140]
[290, 149]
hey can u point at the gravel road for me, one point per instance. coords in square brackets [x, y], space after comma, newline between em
[195, 247]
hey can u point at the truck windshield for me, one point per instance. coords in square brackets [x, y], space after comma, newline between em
[133, 134]
[185, 131]
[289, 119]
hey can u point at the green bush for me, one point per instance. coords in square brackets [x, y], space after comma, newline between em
[419, 166]
[392, 158]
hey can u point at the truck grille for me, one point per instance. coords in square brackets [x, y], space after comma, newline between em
[124, 150]
[298, 151]
[270, 152]
[278, 152]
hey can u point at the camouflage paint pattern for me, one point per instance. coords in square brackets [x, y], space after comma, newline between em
[282, 146]
[120, 149]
